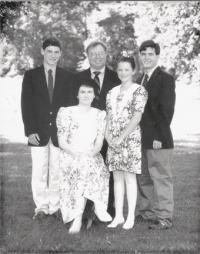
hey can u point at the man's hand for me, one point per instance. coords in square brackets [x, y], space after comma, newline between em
[34, 139]
[157, 144]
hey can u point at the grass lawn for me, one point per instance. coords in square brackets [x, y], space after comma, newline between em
[20, 234]
[23, 235]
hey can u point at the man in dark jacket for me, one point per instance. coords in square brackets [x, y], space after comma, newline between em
[156, 202]
[105, 79]
[44, 90]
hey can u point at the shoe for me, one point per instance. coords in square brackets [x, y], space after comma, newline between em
[161, 224]
[139, 219]
[128, 225]
[102, 215]
[76, 226]
[40, 215]
[115, 223]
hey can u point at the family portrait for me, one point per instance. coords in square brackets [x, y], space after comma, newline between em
[99, 132]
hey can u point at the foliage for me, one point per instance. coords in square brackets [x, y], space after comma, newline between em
[39, 20]
[178, 28]
[119, 34]
[174, 24]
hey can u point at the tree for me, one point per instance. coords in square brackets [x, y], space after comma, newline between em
[39, 20]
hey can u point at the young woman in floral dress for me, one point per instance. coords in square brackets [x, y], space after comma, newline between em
[125, 105]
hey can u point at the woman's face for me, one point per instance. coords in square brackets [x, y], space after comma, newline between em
[85, 95]
[125, 71]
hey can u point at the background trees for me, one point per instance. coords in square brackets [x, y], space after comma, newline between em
[123, 25]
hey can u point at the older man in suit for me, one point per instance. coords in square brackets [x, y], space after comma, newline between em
[105, 79]
[156, 202]
[44, 90]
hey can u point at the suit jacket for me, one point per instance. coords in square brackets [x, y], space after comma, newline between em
[159, 110]
[38, 113]
[110, 80]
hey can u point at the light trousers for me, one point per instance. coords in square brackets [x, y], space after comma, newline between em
[155, 185]
[45, 178]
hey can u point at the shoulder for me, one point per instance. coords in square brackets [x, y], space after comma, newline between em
[112, 74]
[100, 113]
[166, 75]
[140, 88]
[83, 72]
[33, 71]
[64, 72]
[66, 110]
[114, 89]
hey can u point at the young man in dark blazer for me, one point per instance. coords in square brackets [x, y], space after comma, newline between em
[156, 201]
[44, 90]
[105, 79]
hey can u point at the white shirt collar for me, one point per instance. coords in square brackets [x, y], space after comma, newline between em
[46, 68]
[101, 70]
[149, 73]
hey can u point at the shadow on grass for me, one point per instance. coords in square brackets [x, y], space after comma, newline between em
[21, 234]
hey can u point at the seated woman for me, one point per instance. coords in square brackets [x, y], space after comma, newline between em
[83, 173]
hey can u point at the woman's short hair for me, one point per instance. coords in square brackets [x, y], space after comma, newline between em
[89, 83]
[127, 60]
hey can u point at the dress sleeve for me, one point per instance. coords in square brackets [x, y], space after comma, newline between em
[62, 121]
[101, 125]
[140, 99]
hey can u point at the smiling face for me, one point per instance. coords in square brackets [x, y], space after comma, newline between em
[51, 55]
[149, 58]
[97, 57]
[85, 95]
[125, 72]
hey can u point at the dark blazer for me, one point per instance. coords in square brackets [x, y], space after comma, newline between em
[159, 110]
[38, 114]
[110, 80]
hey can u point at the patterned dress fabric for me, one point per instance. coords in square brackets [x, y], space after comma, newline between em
[121, 107]
[81, 176]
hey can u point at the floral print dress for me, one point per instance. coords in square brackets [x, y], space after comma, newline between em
[81, 176]
[121, 107]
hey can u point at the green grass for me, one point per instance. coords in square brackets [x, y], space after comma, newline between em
[23, 235]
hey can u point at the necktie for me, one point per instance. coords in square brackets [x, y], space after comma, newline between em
[50, 84]
[96, 79]
[145, 80]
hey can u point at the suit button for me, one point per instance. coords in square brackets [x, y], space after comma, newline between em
[50, 124]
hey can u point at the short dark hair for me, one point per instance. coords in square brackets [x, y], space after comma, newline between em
[88, 83]
[51, 42]
[150, 44]
[127, 60]
[94, 44]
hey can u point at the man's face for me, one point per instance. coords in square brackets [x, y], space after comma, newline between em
[51, 55]
[149, 58]
[97, 57]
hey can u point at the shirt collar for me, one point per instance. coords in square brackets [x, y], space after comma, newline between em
[149, 73]
[46, 68]
[101, 70]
